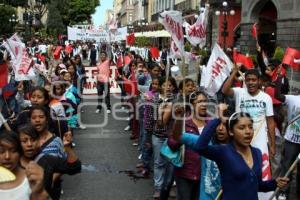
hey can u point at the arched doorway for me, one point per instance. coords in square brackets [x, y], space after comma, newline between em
[265, 13]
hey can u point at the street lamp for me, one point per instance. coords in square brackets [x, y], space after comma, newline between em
[225, 11]
[13, 21]
[28, 17]
[131, 28]
[142, 23]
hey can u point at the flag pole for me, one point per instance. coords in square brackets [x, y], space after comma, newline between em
[287, 174]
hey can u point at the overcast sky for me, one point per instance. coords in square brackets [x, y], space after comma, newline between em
[98, 17]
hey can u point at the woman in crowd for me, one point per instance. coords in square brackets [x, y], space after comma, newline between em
[210, 183]
[28, 184]
[188, 176]
[186, 87]
[239, 163]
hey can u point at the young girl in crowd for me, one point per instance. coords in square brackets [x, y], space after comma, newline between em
[238, 162]
[29, 138]
[145, 142]
[39, 96]
[28, 184]
[160, 123]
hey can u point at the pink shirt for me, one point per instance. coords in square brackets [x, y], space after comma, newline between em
[103, 71]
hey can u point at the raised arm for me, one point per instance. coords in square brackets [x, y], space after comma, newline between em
[278, 94]
[227, 87]
[202, 144]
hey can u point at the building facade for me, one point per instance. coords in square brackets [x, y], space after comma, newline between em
[278, 23]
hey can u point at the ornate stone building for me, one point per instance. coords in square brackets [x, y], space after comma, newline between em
[278, 23]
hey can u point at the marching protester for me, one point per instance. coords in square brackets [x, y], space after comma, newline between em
[291, 146]
[239, 163]
[259, 105]
[29, 182]
[103, 86]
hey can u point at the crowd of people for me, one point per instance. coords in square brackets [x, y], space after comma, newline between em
[207, 150]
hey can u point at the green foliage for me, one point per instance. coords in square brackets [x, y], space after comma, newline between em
[142, 41]
[55, 24]
[81, 10]
[279, 53]
[14, 3]
[203, 52]
[187, 47]
[6, 12]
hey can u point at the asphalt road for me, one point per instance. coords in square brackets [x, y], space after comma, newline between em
[105, 153]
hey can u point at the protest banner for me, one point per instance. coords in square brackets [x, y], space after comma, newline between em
[91, 81]
[196, 33]
[218, 69]
[85, 34]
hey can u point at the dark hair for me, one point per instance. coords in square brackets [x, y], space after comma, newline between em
[235, 117]
[193, 96]
[252, 72]
[184, 81]
[11, 137]
[43, 90]
[103, 52]
[132, 63]
[174, 84]
[62, 85]
[41, 108]
[29, 130]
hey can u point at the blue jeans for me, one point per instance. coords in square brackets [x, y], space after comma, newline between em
[168, 181]
[159, 162]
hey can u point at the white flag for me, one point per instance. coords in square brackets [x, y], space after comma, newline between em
[196, 33]
[218, 69]
[174, 51]
[172, 21]
[20, 59]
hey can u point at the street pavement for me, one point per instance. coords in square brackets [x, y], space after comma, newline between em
[105, 154]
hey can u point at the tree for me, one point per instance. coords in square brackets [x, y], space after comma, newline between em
[6, 11]
[81, 10]
[55, 24]
[14, 3]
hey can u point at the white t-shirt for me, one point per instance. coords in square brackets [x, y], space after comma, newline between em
[21, 192]
[292, 133]
[259, 107]
[43, 48]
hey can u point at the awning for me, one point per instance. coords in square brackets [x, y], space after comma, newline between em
[153, 34]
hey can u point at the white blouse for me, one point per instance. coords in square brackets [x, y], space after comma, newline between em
[21, 192]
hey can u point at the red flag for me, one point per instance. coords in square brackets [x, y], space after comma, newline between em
[3, 74]
[290, 56]
[68, 49]
[130, 85]
[130, 39]
[56, 53]
[120, 61]
[245, 60]
[127, 60]
[154, 52]
[254, 30]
